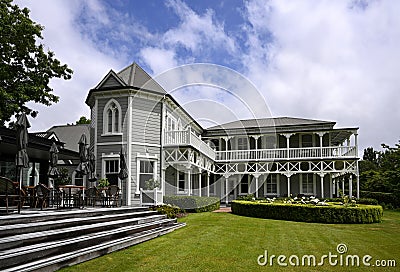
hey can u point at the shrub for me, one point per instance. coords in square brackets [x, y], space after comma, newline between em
[383, 198]
[309, 213]
[193, 203]
[170, 210]
[367, 201]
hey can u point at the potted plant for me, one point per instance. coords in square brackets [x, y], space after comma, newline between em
[103, 183]
[151, 184]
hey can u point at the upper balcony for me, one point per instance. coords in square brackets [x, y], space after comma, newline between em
[309, 153]
[189, 138]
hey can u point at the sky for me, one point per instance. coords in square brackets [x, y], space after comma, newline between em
[326, 60]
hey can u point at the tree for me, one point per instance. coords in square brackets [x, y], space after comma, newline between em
[83, 120]
[25, 66]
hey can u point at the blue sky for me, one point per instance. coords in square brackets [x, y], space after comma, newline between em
[328, 60]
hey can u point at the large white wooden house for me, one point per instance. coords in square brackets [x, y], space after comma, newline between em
[266, 157]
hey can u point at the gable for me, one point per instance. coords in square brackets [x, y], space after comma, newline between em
[110, 80]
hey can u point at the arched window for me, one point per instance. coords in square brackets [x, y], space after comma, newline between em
[112, 117]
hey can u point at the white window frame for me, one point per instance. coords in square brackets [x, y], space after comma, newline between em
[248, 186]
[178, 189]
[111, 157]
[74, 174]
[272, 177]
[114, 131]
[154, 161]
[171, 122]
[302, 177]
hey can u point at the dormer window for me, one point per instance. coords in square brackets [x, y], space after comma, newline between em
[112, 118]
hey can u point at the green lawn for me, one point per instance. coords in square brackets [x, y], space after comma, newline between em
[227, 242]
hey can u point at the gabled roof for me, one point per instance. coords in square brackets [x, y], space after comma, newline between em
[110, 80]
[270, 122]
[135, 76]
[70, 134]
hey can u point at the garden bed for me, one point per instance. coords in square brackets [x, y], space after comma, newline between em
[359, 214]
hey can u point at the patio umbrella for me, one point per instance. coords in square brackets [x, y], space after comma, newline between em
[22, 125]
[92, 166]
[123, 169]
[53, 171]
[21, 158]
[83, 158]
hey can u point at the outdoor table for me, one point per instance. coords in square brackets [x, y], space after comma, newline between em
[66, 200]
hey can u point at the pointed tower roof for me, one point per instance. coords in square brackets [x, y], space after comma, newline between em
[135, 76]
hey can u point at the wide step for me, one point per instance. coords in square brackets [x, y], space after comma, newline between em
[43, 244]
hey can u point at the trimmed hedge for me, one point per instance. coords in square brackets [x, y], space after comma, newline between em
[309, 213]
[193, 203]
[383, 198]
[170, 210]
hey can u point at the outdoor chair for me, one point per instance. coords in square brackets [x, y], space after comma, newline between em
[112, 196]
[9, 194]
[41, 196]
[91, 196]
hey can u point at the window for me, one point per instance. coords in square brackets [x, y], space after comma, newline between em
[244, 185]
[111, 171]
[181, 182]
[146, 172]
[271, 185]
[171, 123]
[78, 179]
[306, 140]
[242, 143]
[307, 184]
[112, 118]
[212, 185]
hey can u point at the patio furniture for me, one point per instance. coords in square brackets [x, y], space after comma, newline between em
[112, 196]
[9, 194]
[92, 196]
[72, 196]
[41, 196]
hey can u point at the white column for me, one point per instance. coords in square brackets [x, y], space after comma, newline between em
[322, 184]
[337, 187]
[343, 186]
[321, 135]
[189, 173]
[351, 186]
[208, 183]
[256, 180]
[199, 179]
[226, 190]
[288, 185]
[358, 186]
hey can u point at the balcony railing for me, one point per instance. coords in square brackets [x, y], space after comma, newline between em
[188, 137]
[285, 153]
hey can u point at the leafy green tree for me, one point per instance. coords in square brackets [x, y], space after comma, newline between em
[25, 66]
[83, 120]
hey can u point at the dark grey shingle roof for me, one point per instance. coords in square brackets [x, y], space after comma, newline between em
[270, 122]
[70, 135]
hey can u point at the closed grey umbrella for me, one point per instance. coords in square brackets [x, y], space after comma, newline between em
[22, 125]
[83, 158]
[123, 172]
[21, 158]
[92, 166]
[53, 171]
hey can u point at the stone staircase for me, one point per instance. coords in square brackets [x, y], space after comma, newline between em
[49, 240]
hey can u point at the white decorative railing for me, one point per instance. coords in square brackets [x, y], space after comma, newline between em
[287, 153]
[188, 137]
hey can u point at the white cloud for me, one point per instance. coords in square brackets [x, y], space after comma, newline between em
[62, 36]
[329, 61]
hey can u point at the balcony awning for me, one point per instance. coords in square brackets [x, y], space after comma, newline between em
[338, 136]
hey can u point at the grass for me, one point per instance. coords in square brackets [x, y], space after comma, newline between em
[227, 242]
